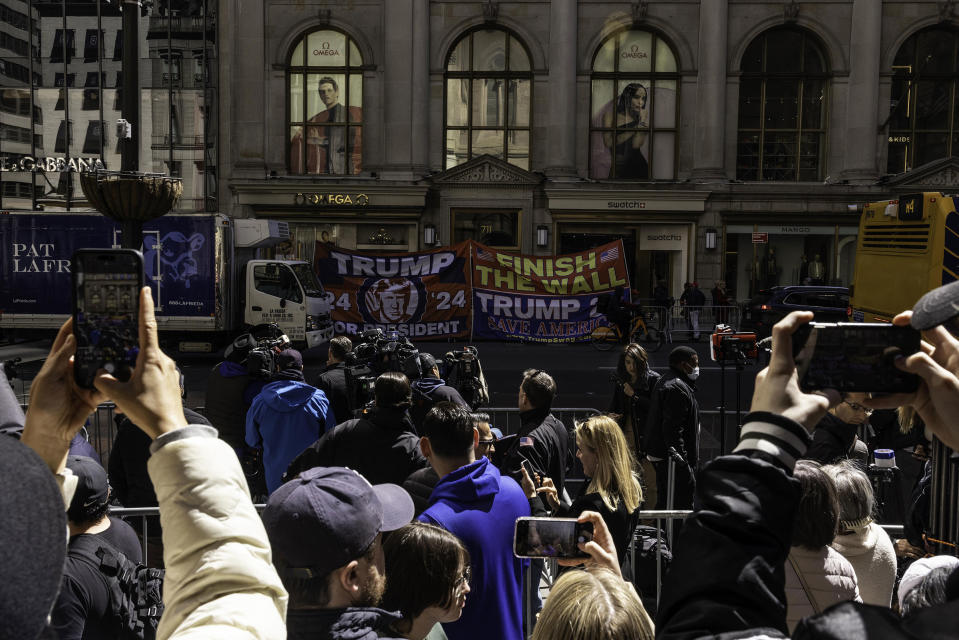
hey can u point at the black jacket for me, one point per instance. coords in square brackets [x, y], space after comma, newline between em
[544, 442]
[354, 623]
[427, 392]
[332, 382]
[634, 411]
[832, 440]
[380, 446]
[673, 418]
[621, 523]
[420, 486]
[727, 578]
[127, 467]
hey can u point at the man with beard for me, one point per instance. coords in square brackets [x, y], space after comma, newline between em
[325, 528]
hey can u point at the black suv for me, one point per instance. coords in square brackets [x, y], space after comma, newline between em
[769, 306]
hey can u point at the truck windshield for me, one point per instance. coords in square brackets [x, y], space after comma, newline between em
[311, 285]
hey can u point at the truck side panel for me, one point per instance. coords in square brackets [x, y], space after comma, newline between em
[35, 251]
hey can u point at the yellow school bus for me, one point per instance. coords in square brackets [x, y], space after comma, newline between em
[905, 248]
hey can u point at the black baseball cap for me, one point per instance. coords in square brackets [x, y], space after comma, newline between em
[936, 307]
[328, 516]
[93, 488]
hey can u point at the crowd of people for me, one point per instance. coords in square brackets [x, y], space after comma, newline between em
[399, 523]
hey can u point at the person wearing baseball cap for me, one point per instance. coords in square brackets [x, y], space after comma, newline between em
[83, 607]
[325, 529]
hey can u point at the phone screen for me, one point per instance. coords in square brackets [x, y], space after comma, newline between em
[550, 537]
[854, 357]
[106, 295]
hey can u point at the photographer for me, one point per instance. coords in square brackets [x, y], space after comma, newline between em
[381, 446]
[332, 381]
[219, 573]
[430, 389]
[746, 505]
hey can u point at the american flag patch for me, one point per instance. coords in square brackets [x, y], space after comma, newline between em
[483, 254]
[609, 255]
[526, 441]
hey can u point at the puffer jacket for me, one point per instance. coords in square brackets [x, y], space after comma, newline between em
[871, 553]
[828, 575]
[220, 581]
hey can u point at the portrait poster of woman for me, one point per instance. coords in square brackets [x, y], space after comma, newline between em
[623, 125]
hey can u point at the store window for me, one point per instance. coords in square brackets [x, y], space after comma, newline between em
[277, 280]
[762, 256]
[634, 108]
[489, 88]
[325, 96]
[782, 108]
[494, 228]
[923, 119]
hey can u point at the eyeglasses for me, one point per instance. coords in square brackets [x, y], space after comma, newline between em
[855, 406]
[487, 443]
[464, 579]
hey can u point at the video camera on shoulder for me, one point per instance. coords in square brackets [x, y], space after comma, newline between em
[462, 371]
[733, 347]
[257, 349]
[378, 352]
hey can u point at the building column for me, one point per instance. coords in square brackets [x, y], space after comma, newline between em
[420, 130]
[862, 101]
[399, 68]
[246, 107]
[561, 145]
[709, 140]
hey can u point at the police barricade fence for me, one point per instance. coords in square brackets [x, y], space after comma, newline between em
[683, 321]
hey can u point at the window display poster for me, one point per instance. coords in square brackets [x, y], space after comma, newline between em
[543, 298]
[423, 295]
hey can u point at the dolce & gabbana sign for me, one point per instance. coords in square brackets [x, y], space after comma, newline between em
[334, 199]
[49, 164]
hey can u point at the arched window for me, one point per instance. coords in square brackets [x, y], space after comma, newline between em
[923, 118]
[782, 108]
[489, 89]
[325, 96]
[634, 107]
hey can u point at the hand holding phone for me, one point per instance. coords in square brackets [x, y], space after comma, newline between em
[106, 294]
[854, 357]
[551, 537]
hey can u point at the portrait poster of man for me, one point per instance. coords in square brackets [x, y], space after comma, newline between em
[333, 136]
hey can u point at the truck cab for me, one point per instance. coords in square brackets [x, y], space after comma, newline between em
[288, 293]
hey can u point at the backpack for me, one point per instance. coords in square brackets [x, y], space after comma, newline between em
[646, 543]
[136, 590]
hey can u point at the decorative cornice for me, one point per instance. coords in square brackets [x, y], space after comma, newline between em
[938, 175]
[947, 10]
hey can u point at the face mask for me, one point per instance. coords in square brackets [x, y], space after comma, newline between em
[692, 375]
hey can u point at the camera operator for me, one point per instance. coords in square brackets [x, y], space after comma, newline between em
[230, 389]
[381, 445]
[332, 381]
[430, 389]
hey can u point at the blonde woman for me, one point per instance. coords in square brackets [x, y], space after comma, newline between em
[612, 488]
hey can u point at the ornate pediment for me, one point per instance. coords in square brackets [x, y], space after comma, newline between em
[938, 175]
[487, 170]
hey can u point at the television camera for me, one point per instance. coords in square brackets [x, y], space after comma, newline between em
[463, 371]
[257, 349]
[377, 353]
[733, 347]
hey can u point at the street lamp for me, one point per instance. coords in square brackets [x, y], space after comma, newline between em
[711, 238]
[429, 235]
[542, 236]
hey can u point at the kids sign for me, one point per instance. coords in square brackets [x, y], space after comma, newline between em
[543, 298]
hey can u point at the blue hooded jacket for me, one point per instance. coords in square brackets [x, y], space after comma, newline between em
[480, 506]
[286, 417]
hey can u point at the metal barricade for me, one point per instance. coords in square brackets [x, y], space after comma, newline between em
[506, 419]
[685, 322]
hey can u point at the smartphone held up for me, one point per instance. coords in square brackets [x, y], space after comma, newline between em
[106, 294]
[854, 357]
[550, 537]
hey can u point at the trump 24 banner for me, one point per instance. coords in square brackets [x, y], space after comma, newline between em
[418, 295]
[543, 298]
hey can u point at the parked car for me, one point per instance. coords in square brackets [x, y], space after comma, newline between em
[769, 306]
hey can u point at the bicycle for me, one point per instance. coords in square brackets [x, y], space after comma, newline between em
[604, 337]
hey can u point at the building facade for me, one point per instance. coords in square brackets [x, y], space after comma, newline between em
[719, 139]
